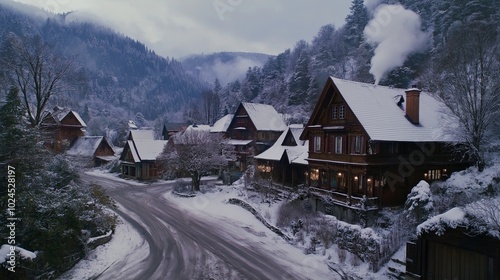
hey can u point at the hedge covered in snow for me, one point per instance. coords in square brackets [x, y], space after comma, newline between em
[249, 208]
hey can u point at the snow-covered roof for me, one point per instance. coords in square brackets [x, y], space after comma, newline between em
[140, 135]
[23, 253]
[222, 124]
[148, 149]
[236, 142]
[85, 146]
[59, 113]
[264, 117]
[132, 125]
[276, 152]
[133, 151]
[198, 127]
[450, 219]
[384, 120]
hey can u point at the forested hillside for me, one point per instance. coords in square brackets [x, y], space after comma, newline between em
[393, 45]
[117, 77]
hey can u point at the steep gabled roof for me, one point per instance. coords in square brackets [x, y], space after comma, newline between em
[383, 120]
[278, 150]
[140, 135]
[59, 115]
[149, 149]
[222, 124]
[264, 117]
[86, 146]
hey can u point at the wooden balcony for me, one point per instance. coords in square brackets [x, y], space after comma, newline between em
[346, 200]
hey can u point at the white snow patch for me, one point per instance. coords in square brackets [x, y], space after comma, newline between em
[125, 242]
[438, 224]
[23, 253]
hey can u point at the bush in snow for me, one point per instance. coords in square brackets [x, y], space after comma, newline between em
[419, 204]
[484, 216]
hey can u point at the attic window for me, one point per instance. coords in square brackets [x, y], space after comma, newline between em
[341, 112]
[335, 113]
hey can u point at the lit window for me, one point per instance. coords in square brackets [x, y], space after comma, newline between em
[338, 144]
[334, 113]
[263, 168]
[342, 112]
[433, 175]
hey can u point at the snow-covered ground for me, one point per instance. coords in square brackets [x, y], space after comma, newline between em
[126, 241]
[244, 228]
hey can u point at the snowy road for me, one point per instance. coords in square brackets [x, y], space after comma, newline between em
[181, 246]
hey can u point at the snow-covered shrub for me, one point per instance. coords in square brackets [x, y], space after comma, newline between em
[419, 204]
[484, 216]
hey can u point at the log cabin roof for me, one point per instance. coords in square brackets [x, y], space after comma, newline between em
[87, 145]
[222, 124]
[264, 117]
[144, 150]
[377, 111]
[279, 149]
[64, 117]
[140, 135]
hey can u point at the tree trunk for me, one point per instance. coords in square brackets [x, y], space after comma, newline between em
[196, 179]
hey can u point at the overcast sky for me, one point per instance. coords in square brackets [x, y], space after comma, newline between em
[181, 27]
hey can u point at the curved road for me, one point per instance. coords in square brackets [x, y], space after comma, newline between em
[181, 246]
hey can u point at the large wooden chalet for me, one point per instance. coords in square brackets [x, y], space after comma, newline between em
[369, 145]
[62, 126]
[253, 129]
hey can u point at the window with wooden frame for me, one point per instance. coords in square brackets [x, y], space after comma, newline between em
[317, 144]
[335, 113]
[358, 145]
[341, 112]
[338, 144]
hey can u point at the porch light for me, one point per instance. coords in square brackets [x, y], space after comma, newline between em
[369, 179]
[356, 178]
[425, 175]
[444, 170]
[340, 174]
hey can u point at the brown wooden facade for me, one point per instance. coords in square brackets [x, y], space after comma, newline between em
[132, 166]
[61, 132]
[358, 172]
[243, 128]
[456, 254]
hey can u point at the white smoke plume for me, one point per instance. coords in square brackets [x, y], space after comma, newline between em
[396, 33]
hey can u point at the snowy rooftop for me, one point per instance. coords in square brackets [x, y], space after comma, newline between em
[147, 149]
[59, 113]
[85, 146]
[222, 124]
[384, 120]
[140, 135]
[264, 117]
[276, 152]
[198, 127]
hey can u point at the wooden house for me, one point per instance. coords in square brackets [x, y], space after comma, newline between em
[95, 150]
[253, 129]
[285, 162]
[62, 126]
[170, 129]
[369, 145]
[138, 159]
[448, 247]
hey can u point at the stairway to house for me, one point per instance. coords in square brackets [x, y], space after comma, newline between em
[396, 267]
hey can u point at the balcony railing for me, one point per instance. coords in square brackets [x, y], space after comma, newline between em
[351, 201]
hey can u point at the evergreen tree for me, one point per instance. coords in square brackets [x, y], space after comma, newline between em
[355, 23]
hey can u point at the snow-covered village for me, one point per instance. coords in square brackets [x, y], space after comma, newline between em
[224, 140]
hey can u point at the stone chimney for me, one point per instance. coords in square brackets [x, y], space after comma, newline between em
[413, 105]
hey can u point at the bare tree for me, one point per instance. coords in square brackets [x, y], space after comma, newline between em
[465, 78]
[197, 153]
[36, 70]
